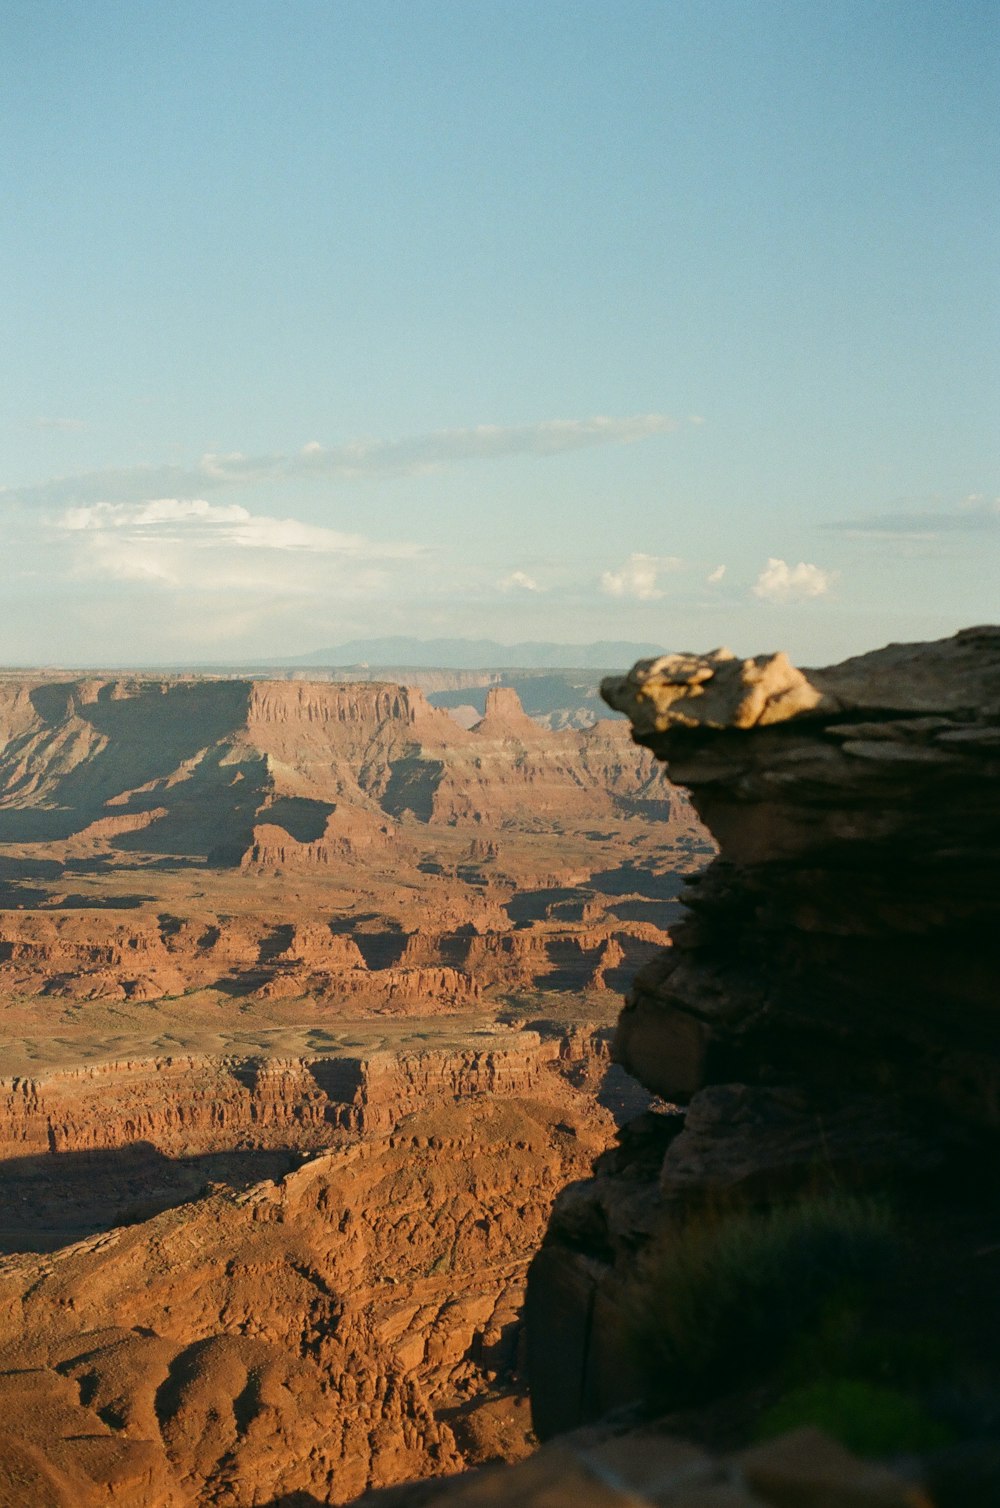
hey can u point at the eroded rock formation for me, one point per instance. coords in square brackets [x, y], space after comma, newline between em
[355, 1323]
[186, 1105]
[828, 1006]
[300, 839]
[847, 931]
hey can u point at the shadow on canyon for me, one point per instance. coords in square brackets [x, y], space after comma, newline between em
[296, 1500]
[51, 1199]
[55, 1198]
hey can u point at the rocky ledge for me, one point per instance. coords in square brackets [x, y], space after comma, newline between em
[827, 1014]
[847, 931]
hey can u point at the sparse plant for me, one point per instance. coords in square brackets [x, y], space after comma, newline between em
[868, 1418]
[848, 1340]
[723, 1298]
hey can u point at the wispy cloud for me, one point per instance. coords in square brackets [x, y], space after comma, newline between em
[781, 582]
[211, 525]
[355, 461]
[190, 542]
[68, 426]
[518, 581]
[976, 513]
[714, 577]
[639, 576]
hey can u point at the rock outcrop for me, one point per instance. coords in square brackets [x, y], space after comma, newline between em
[848, 930]
[827, 1008]
[356, 1322]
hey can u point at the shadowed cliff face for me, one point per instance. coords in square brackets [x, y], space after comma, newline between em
[196, 765]
[827, 1008]
[355, 1322]
[848, 928]
[297, 839]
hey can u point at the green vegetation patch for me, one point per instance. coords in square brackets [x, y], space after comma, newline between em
[870, 1419]
[723, 1299]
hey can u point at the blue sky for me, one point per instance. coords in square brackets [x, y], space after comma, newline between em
[334, 318]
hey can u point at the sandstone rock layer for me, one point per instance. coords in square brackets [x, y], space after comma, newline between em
[827, 1009]
[342, 1327]
[847, 930]
[296, 839]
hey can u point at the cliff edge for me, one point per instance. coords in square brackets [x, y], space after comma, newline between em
[847, 930]
[812, 1206]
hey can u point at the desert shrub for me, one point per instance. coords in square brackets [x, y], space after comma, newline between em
[868, 1418]
[722, 1299]
[848, 1340]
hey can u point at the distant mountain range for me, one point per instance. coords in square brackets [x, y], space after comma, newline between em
[474, 654]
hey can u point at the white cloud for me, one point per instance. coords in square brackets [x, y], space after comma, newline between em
[189, 542]
[344, 463]
[518, 581]
[638, 577]
[210, 525]
[716, 575]
[781, 582]
[160, 510]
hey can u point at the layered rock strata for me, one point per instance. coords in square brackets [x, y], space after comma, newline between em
[221, 769]
[184, 1105]
[99, 955]
[847, 933]
[85, 1148]
[353, 1323]
[827, 1008]
[343, 843]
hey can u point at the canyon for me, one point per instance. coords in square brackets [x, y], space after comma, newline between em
[306, 994]
[337, 843]
[292, 1230]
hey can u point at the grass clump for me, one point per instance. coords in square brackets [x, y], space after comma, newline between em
[864, 1382]
[723, 1298]
[866, 1417]
[848, 1340]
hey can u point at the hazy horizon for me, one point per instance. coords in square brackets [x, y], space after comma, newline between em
[560, 322]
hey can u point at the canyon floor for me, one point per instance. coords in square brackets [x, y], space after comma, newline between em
[305, 1001]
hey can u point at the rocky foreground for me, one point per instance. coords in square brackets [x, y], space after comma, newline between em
[354, 1322]
[827, 1012]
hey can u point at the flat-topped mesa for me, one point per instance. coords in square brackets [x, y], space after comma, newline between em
[312, 701]
[849, 929]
